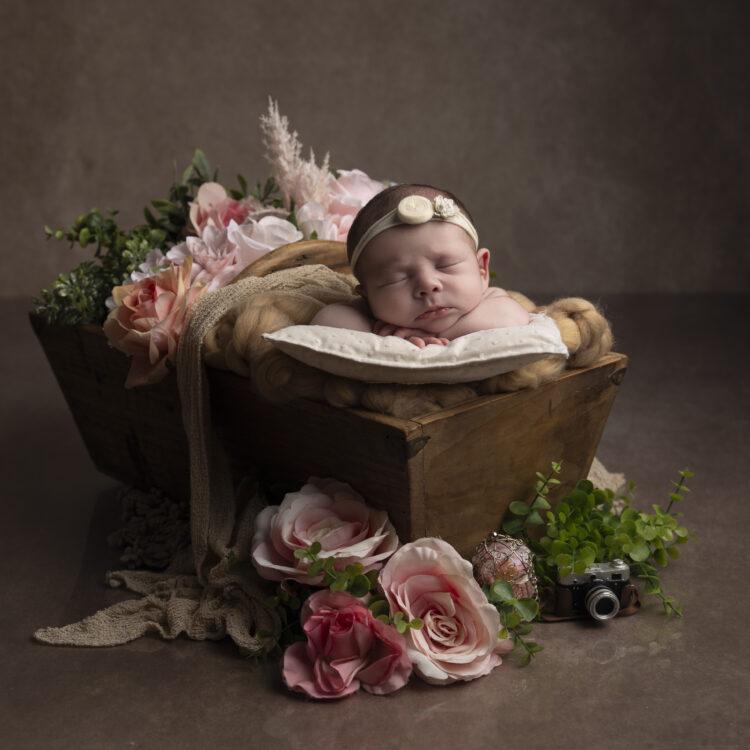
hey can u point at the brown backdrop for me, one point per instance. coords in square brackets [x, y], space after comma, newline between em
[602, 146]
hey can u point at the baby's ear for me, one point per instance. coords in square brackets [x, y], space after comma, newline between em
[483, 260]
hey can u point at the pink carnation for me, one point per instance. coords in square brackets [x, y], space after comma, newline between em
[429, 580]
[148, 319]
[346, 648]
[219, 255]
[325, 511]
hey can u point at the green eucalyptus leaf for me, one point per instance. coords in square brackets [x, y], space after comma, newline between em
[359, 586]
[340, 584]
[501, 591]
[579, 566]
[557, 547]
[300, 554]
[673, 552]
[661, 557]
[540, 503]
[639, 551]
[512, 620]
[519, 508]
[648, 533]
[513, 526]
[315, 547]
[379, 607]
[527, 608]
[535, 519]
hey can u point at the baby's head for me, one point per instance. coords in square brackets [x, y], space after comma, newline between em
[408, 268]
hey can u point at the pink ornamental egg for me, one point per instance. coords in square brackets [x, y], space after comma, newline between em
[505, 558]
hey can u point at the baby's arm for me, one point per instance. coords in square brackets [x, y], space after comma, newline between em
[496, 310]
[339, 315]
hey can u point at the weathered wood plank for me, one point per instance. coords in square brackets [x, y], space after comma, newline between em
[483, 454]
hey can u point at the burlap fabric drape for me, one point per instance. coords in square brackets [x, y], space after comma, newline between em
[212, 591]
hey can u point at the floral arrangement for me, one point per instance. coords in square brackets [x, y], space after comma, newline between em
[359, 610]
[142, 282]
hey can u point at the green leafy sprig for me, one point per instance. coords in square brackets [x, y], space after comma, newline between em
[591, 525]
[78, 297]
[351, 578]
[515, 616]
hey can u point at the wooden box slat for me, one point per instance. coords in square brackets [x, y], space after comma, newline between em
[450, 474]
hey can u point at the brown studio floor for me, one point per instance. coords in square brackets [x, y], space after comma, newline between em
[645, 681]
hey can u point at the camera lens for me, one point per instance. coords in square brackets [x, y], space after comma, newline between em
[601, 603]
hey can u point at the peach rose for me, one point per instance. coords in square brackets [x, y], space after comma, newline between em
[326, 511]
[428, 579]
[346, 648]
[148, 319]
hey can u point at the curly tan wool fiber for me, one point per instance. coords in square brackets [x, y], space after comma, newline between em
[235, 343]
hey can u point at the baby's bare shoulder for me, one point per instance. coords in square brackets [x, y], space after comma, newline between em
[349, 315]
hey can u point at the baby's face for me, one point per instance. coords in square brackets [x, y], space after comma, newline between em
[408, 269]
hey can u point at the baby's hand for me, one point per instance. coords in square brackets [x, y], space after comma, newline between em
[416, 336]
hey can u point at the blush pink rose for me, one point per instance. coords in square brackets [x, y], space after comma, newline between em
[148, 319]
[347, 193]
[325, 511]
[428, 579]
[213, 207]
[347, 648]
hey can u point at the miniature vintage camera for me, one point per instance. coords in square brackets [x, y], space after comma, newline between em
[596, 591]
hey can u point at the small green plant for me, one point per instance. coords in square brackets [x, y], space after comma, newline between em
[592, 525]
[351, 579]
[515, 616]
[79, 296]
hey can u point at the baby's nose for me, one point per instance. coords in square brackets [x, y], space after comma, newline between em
[426, 284]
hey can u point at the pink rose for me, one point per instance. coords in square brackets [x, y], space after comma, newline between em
[346, 648]
[428, 579]
[347, 194]
[213, 207]
[148, 320]
[351, 190]
[215, 260]
[326, 511]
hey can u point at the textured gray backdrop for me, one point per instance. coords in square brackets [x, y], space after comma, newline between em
[602, 146]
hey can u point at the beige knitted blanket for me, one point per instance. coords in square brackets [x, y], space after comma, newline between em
[212, 591]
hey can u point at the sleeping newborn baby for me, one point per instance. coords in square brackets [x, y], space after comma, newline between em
[422, 275]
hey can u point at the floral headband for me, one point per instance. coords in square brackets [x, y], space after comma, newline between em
[417, 209]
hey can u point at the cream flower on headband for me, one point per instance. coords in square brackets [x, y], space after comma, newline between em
[445, 207]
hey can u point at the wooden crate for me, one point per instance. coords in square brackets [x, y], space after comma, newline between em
[450, 474]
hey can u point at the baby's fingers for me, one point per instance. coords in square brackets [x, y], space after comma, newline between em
[384, 329]
[417, 341]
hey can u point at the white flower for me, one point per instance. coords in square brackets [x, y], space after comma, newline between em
[256, 238]
[445, 207]
[312, 217]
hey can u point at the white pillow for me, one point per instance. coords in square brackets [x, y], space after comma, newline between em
[389, 359]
